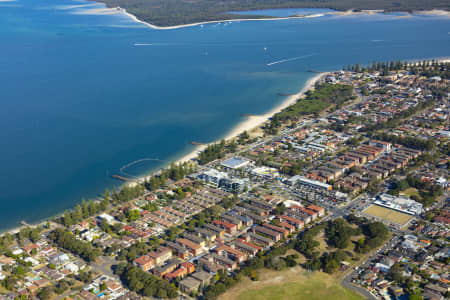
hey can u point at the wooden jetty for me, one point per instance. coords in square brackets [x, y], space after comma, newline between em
[313, 71]
[197, 143]
[115, 176]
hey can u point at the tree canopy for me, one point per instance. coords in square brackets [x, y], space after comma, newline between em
[175, 12]
[66, 240]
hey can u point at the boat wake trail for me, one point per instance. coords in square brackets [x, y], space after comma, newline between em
[289, 59]
[149, 44]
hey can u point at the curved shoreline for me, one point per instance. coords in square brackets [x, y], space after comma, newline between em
[126, 13]
[245, 124]
[248, 124]
[119, 10]
[435, 12]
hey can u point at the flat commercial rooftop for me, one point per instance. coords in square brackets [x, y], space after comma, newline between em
[235, 162]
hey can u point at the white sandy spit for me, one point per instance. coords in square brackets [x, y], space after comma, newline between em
[69, 7]
[133, 17]
[338, 13]
[97, 11]
[434, 12]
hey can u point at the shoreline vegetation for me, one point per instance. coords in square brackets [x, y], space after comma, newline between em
[174, 13]
[248, 18]
[254, 121]
[251, 123]
[256, 18]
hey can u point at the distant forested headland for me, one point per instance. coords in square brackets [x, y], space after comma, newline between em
[177, 12]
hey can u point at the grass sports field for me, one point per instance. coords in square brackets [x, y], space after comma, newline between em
[388, 214]
[290, 284]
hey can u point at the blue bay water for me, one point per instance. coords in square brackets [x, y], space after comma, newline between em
[80, 101]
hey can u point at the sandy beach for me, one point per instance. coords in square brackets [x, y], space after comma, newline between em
[211, 22]
[97, 11]
[252, 121]
[338, 13]
[119, 10]
[245, 123]
[434, 12]
[248, 124]
[255, 121]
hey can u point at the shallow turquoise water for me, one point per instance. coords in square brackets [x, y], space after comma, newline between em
[80, 101]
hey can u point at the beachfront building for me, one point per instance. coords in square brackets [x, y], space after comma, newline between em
[223, 180]
[212, 176]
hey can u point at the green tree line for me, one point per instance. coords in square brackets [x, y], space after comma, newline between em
[144, 283]
[316, 101]
[174, 12]
[428, 191]
[90, 208]
[408, 141]
[174, 172]
[67, 240]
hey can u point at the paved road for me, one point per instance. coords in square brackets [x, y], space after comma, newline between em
[347, 284]
[103, 266]
[347, 281]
